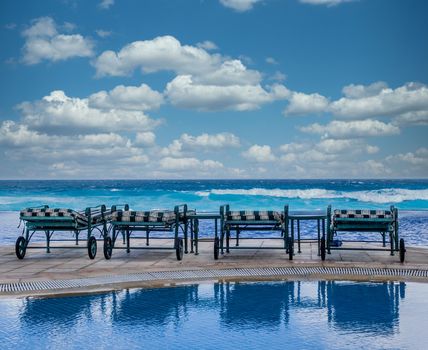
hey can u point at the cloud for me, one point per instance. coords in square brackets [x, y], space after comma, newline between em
[43, 42]
[207, 45]
[407, 104]
[203, 142]
[325, 2]
[32, 146]
[411, 164]
[271, 60]
[147, 138]
[106, 4]
[161, 53]
[239, 5]
[231, 72]
[300, 103]
[215, 141]
[378, 100]
[260, 154]
[352, 129]
[183, 92]
[59, 113]
[412, 118]
[350, 146]
[127, 97]
[166, 53]
[188, 164]
[419, 157]
[103, 33]
[204, 81]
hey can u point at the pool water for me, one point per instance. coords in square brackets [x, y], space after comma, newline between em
[262, 315]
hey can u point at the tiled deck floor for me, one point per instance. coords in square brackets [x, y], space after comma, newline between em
[74, 263]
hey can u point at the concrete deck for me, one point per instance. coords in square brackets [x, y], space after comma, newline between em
[70, 264]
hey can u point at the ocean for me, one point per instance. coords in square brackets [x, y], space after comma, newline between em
[409, 196]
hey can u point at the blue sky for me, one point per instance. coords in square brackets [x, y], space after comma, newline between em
[214, 89]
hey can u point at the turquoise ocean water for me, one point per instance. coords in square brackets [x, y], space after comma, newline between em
[410, 196]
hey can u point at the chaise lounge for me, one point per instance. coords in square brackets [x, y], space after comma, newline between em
[256, 221]
[129, 222]
[384, 222]
[51, 220]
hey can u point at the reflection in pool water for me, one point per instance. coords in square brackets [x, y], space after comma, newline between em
[271, 315]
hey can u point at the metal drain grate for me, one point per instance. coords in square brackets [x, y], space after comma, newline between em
[50, 285]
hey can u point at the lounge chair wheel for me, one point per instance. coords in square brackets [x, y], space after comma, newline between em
[216, 248]
[402, 250]
[92, 247]
[20, 247]
[179, 249]
[322, 249]
[290, 250]
[108, 248]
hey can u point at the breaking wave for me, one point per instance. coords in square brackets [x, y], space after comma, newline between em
[386, 195]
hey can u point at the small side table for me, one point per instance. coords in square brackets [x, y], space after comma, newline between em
[319, 216]
[194, 227]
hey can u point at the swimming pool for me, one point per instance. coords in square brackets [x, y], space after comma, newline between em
[268, 315]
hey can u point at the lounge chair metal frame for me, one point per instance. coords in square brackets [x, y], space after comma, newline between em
[228, 225]
[127, 228]
[91, 220]
[363, 222]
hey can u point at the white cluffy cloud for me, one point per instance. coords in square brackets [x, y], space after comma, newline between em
[187, 164]
[161, 53]
[69, 156]
[44, 42]
[300, 103]
[260, 154]
[59, 113]
[147, 138]
[204, 81]
[355, 128]
[406, 104]
[127, 97]
[207, 45]
[203, 142]
[185, 93]
[239, 5]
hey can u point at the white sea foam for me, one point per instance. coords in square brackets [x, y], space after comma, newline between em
[386, 195]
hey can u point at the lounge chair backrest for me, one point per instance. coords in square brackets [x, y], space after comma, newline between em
[362, 214]
[39, 213]
[254, 215]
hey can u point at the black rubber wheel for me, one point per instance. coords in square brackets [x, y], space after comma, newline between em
[216, 248]
[179, 249]
[322, 249]
[20, 247]
[290, 250]
[92, 247]
[108, 247]
[402, 250]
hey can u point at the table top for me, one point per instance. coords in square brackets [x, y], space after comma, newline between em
[205, 215]
[307, 215]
